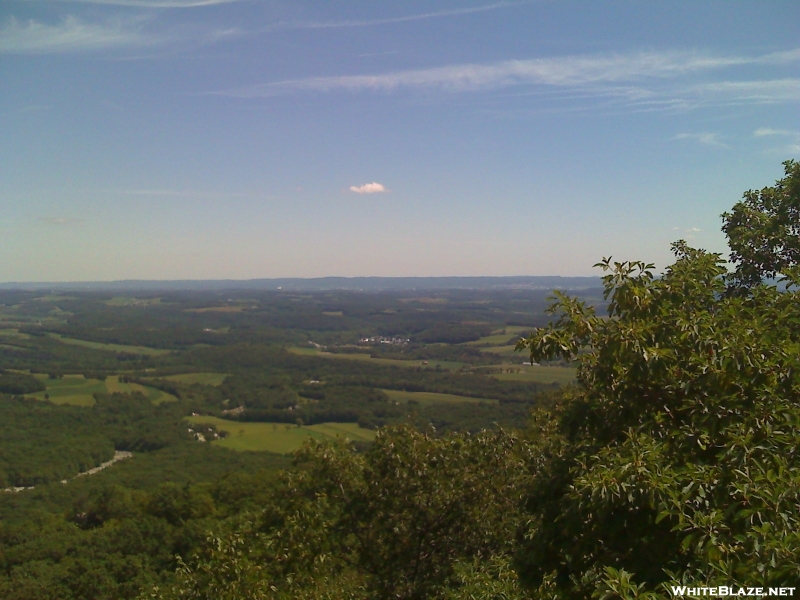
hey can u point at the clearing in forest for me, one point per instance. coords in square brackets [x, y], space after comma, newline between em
[282, 438]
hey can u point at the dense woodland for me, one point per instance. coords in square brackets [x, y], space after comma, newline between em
[671, 460]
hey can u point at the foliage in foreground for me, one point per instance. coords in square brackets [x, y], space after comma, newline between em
[677, 458]
[407, 519]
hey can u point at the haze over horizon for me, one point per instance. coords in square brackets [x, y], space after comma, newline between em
[244, 139]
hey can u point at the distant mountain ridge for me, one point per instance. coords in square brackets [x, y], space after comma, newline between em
[367, 284]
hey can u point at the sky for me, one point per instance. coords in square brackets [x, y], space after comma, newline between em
[238, 139]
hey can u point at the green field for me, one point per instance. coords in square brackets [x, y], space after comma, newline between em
[506, 352]
[539, 374]
[111, 347]
[113, 384]
[279, 437]
[431, 364]
[202, 378]
[432, 397]
[131, 301]
[13, 333]
[71, 389]
[54, 298]
[74, 389]
[501, 336]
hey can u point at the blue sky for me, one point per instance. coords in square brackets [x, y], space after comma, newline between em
[204, 139]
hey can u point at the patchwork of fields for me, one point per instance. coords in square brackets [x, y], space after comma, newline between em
[78, 391]
[281, 438]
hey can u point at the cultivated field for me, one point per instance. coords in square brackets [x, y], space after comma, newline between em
[131, 301]
[202, 378]
[279, 437]
[432, 397]
[113, 384]
[71, 389]
[501, 336]
[13, 333]
[74, 389]
[506, 352]
[539, 374]
[444, 364]
[144, 350]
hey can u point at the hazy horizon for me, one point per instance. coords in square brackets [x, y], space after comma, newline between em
[313, 284]
[238, 139]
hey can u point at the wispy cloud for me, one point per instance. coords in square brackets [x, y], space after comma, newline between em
[70, 35]
[560, 71]
[153, 3]
[369, 188]
[635, 78]
[403, 19]
[766, 91]
[764, 131]
[792, 148]
[709, 139]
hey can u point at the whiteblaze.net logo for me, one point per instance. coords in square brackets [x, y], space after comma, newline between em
[726, 591]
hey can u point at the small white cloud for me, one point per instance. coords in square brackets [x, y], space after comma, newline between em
[369, 188]
[693, 230]
[709, 139]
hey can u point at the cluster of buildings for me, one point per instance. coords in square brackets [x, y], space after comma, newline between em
[384, 340]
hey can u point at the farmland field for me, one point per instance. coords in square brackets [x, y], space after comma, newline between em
[220, 309]
[13, 333]
[444, 364]
[500, 337]
[431, 397]
[279, 437]
[111, 347]
[131, 301]
[202, 378]
[71, 389]
[113, 384]
[505, 351]
[539, 374]
[75, 390]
